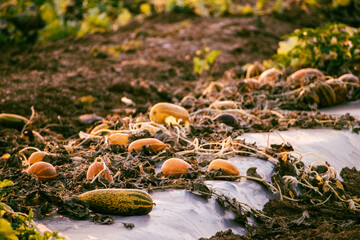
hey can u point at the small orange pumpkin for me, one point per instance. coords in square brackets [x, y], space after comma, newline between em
[118, 138]
[42, 170]
[160, 112]
[36, 157]
[175, 167]
[155, 144]
[228, 167]
[95, 168]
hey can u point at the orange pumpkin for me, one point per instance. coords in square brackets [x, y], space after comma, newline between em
[118, 138]
[95, 168]
[228, 167]
[175, 167]
[155, 144]
[36, 157]
[42, 170]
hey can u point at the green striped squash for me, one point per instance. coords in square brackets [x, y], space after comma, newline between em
[326, 94]
[124, 202]
[308, 96]
[339, 88]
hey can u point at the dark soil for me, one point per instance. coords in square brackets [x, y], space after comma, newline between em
[52, 77]
[153, 63]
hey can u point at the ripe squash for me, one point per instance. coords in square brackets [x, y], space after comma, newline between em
[119, 138]
[42, 170]
[339, 88]
[228, 167]
[308, 96]
[326, 94]
[36, 157]
[124, 202]
[304, 76]
[95, 168]
[174, 167]
[161, 111]
[155, 144]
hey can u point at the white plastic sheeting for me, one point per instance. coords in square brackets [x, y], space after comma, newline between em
[179, 214]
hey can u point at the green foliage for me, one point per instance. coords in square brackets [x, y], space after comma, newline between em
[15, 225]
[205, 59]
[332, 48]
[6, 231]
[23, 21]
[116, 50]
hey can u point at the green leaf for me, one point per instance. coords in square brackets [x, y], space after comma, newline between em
[145, 8]
[48, 13]
[329, 48]
[6, 231]
[212, 56]
[260, 4]
[5, 183]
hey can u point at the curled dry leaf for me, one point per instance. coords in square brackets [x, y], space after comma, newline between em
[223, 105]
[254, 70]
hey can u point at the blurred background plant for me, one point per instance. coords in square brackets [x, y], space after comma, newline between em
[334, 48]
[16, 225]
[205, 61]
[30, 21]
